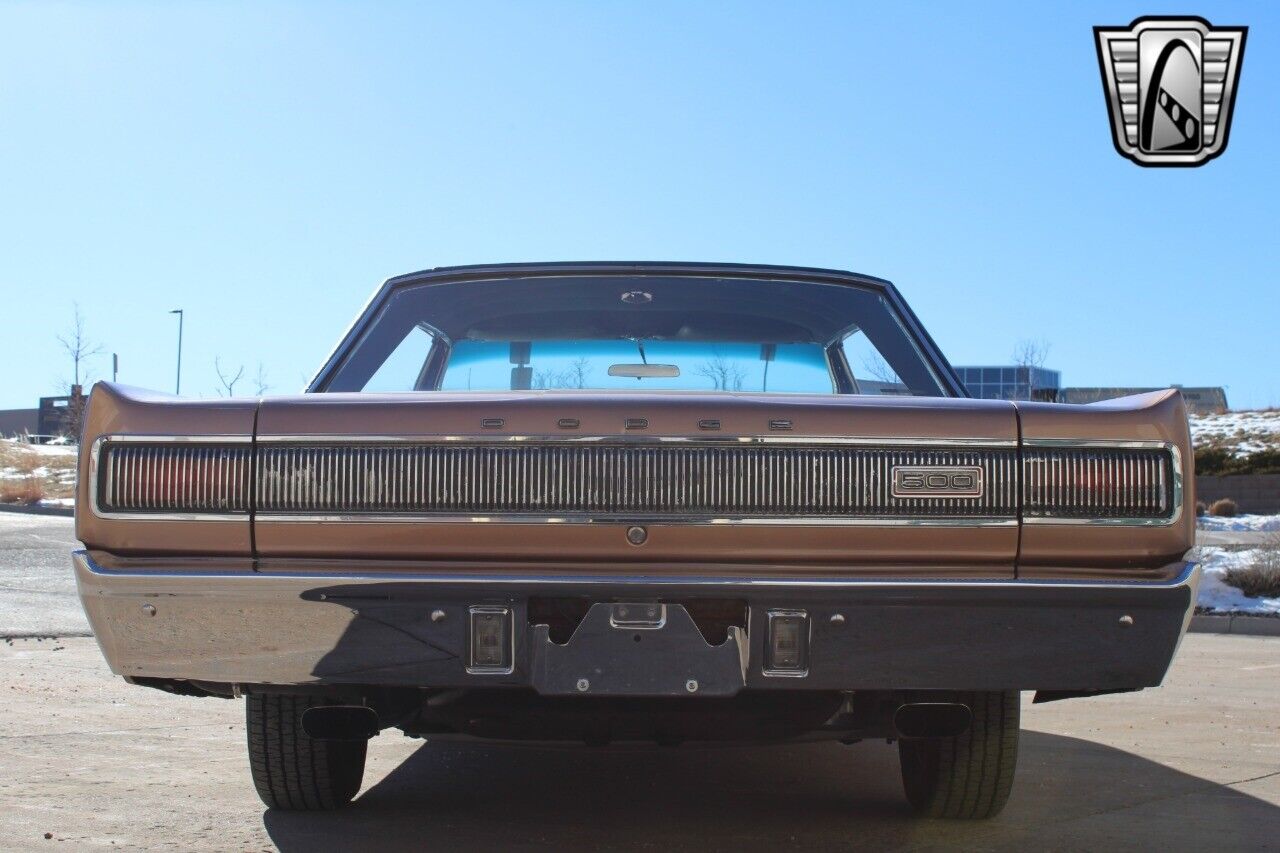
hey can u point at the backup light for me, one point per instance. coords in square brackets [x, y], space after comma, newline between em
[788, 649]
[491, 639]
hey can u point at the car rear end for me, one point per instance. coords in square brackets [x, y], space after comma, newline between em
[300, 552]
[663, 566]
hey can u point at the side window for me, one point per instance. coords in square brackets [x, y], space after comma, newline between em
[870, 371]
[400, 371]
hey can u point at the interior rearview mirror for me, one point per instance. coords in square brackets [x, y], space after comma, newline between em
[645, 371]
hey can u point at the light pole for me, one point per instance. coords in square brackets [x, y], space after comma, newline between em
[177, 388]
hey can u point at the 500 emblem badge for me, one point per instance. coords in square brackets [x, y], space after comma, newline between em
[931, 481]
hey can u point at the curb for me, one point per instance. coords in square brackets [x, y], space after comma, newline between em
[1235, 623]
[26, 509]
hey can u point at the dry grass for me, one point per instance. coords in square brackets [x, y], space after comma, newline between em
[23, 460]
[1261, 578]
[1224, 508]
[28, 490]
[55, 473]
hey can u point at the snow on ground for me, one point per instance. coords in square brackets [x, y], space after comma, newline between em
[1240, 522]
[1219, 596]
[1241, 432]
[11, 449]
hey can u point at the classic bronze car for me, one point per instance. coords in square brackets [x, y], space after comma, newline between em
[609, 502]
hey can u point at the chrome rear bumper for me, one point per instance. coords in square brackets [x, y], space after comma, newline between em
[410, 630]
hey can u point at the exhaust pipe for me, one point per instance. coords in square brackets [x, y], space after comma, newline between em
[931, 719]
[340, 722]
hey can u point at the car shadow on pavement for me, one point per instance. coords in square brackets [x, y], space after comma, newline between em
[1070, 793]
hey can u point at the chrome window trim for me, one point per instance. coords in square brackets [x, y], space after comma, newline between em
[1175, 459]
[921, 341]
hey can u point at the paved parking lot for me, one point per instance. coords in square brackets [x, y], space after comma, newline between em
[37, 589]
[98, 764]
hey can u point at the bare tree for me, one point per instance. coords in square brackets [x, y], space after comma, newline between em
[78, 345]
[1028, 356]
[544, 378]
[579, 370]
[227, 379]
[878, 369]
[724, 375]
[573, 376]
[260, 385]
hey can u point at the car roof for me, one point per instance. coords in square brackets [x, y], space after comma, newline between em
[687, 268]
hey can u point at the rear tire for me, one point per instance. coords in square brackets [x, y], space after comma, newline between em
[968, 776]
[292, 770]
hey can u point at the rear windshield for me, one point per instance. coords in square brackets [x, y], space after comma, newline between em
[644, 333]
[645, 365]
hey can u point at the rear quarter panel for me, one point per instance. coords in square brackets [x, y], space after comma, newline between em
[1099, 550]
[114, 410]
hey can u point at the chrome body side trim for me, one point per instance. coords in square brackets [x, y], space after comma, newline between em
[623, 438]
[634, 518]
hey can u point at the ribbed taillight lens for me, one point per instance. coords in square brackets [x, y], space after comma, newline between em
[187, 477]
[1098, 482]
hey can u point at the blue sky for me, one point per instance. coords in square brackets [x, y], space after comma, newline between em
[264, 166]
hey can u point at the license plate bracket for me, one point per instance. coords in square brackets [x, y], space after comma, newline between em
[638, 649]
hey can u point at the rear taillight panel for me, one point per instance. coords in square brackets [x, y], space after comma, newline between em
[199, 477]
[1103, 482]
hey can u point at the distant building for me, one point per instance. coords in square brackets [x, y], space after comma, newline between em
[1200, 401]
[1011, 382]
[54, 416]
[16, 422]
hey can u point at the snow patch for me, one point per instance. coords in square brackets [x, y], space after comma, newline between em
[1239, 522]
[1220, 597]
[1240, 432]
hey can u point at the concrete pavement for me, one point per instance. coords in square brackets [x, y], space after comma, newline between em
[99, 764]
[37, 589]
